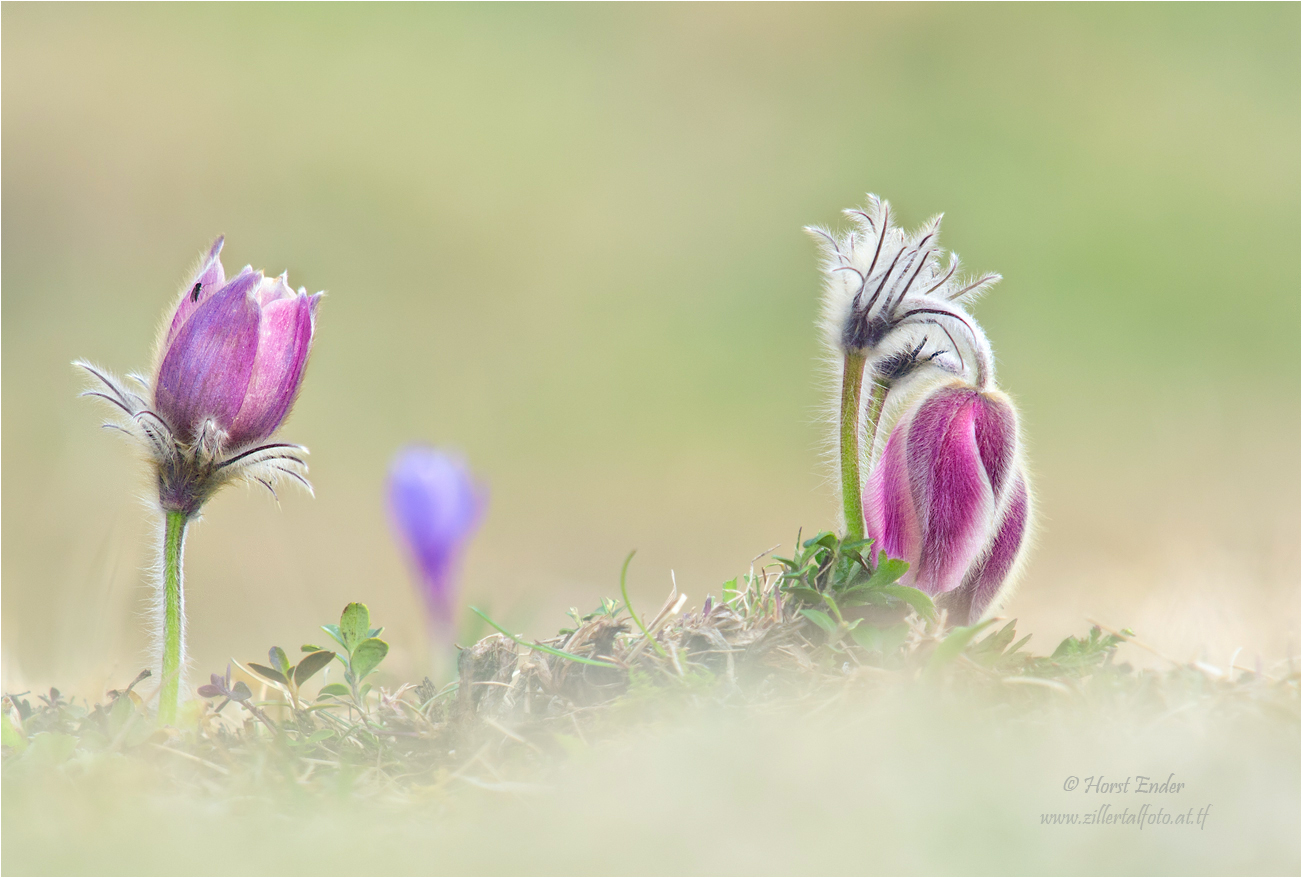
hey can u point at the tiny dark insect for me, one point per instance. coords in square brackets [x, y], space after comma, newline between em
[194, 293]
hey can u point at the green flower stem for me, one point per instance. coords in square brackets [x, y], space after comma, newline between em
[876, 402]
[851, 504]
[851, 481]
[173, 614]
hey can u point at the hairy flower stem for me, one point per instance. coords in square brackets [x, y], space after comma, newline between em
[173, 613]
[851, 483]
[875, 404]
[851, 489]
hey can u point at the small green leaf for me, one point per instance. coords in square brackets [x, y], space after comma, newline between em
[320, 735]
[375, 632]
[120, 714]
[821, 619]
[354, 625]
[311, 664]
[9, 734]
[307, 647]
[730, 589]
[805, 594]
[952, 646]
[367, 655]
[338, 690]
[280, 661]
[918, 600]
[826, 539]
[333, 631]
[270, 673]
[868, 637]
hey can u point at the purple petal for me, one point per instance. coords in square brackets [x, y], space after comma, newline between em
[210, 277]
[989, 576]
[205, 370]
[996, 437]
[950, 487]
[273, 289]
[284, 341]
[209, 691]
[889, 511]
[435, 506]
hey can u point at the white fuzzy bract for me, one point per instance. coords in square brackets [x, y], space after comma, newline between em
[889, 297]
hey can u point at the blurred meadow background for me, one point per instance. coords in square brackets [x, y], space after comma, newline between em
[566, 241]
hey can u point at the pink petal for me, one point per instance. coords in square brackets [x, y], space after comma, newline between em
[996, 437]
[950, 486]
[889, 511]
[284, 340]
[989, 576]
[205, 369]
[211, 277]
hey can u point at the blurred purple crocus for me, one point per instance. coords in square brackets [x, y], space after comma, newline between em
[436, 506]
[950, 496]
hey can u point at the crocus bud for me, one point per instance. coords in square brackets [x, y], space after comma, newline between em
[233, 356]
[435, 507]
[950, 496]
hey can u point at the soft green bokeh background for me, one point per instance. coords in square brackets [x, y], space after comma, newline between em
[567, 241]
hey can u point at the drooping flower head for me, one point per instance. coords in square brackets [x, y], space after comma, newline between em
[889, 298]
[229, 366]
[435, 506]
[950, 495]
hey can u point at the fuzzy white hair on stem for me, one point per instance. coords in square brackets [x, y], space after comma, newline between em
[186, 475]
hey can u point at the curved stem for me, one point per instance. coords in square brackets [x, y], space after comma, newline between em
[851, 489]
[876, 402]
[173, 614]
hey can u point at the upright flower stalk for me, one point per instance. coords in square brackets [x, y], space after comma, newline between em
[229, 364]
[894, 321]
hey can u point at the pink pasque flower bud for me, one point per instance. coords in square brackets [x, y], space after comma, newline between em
[950, 496]
[233, 356]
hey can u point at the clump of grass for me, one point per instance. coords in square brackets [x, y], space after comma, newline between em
[828, 624]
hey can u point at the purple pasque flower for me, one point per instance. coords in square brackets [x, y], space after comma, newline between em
[230, 364]
[436, 506]
[950, 496]
[234, 354]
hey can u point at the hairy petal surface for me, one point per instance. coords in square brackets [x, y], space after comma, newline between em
[205, 371]
[210, 278]
[950, 486]
[889, 510]
[939, 496]
[988, 578]
[284, 342]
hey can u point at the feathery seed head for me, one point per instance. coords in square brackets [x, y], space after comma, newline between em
[889, 298]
